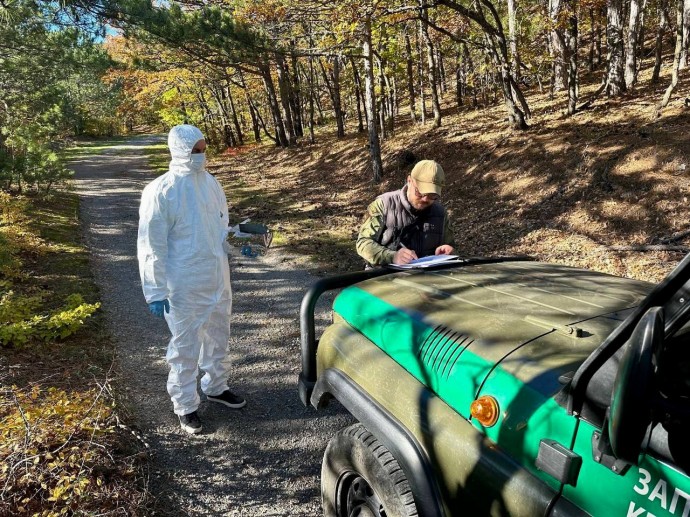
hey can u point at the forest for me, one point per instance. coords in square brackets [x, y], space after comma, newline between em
[562, 126]
[277, 71]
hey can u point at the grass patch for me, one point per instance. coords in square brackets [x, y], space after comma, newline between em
[82, 148]
[156, 151]
[61, 448]
[64, 262]
[158, 157]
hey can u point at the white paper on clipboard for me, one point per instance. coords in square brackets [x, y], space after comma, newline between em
[431, 260]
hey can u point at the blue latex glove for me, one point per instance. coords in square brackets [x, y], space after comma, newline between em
[247, 251]
[157, 308]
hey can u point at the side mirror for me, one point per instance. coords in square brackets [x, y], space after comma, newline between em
[633, 391]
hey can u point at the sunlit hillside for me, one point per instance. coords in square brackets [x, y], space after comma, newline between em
[568, 190]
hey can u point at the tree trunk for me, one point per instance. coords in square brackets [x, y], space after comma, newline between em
[641, 38]
[206, 112]
[410, 73]
[333, 86]
[497, 48]
[339, 115]
[382, 104]
[515, 115]
[374, 146]
[517, 93]
[602, 15]
[432, 72]
[255, 118]
[383, 132]
[183, 106]
[440, 66]
[686, 36]
[394, 90]
[252, 109]
[592, 40]
[228, 136]
[319, 108]
[311, 97]
[631, 45]
[458, 78]
[468, 64]
[676, 57]
[390, 88]
[295, 98]
[359, 95]
[281, 136]
[659, 45]
[284, 89]
[512, 38]
[615, 80]
[262, 123]
[571, 46]
[233, 114]
[558, 51]
[420, 75]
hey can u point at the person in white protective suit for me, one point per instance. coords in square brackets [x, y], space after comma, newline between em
[183, 224]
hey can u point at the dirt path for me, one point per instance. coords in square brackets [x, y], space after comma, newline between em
[263, 460]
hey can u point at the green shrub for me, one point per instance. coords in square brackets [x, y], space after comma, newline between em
[11, 214]
[68, 320]
[9, 262]
[19, 326]
[12, 209]
[28, 162]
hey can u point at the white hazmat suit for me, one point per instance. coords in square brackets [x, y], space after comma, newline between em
[183, 222]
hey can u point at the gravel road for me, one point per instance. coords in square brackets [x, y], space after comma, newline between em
[262, 460]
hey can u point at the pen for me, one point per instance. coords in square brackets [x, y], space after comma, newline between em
[403, 247]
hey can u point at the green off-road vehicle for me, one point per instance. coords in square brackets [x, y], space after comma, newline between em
[503, 387]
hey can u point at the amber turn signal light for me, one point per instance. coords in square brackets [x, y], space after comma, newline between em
[485, 410]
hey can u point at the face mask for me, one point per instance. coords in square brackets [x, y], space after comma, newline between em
[198, 161]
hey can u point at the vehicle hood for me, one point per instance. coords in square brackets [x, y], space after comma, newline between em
[451, 328]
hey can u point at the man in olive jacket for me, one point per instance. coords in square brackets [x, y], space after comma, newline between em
[409, 223]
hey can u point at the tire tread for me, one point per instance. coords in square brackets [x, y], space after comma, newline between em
[387, 461]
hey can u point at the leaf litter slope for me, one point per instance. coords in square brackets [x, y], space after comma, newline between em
[567, 190]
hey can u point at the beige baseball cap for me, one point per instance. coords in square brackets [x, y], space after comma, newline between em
[429, 177]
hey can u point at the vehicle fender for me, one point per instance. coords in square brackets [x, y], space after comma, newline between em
[333, 383]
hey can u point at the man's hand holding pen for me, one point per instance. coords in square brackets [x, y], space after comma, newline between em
[404, 255]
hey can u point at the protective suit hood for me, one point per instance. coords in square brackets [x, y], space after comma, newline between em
[181, 140]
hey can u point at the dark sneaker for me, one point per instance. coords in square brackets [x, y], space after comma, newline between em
[228, 398]
[191, 423]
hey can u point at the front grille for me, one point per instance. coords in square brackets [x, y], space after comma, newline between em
[442, 349]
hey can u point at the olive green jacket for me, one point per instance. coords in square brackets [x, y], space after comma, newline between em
[372, 251]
